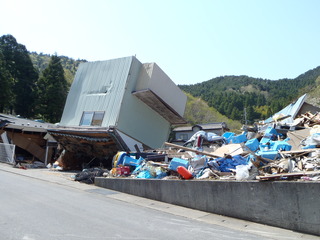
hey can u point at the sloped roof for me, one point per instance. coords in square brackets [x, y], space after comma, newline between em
[24, 124]
[291, 110]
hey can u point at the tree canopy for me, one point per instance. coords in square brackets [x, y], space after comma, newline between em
[18, 63]
[243, 97]
[52, 91]
[6, 82]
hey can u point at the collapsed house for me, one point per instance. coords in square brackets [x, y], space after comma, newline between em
[117, 105]
[184, 133]
[25, 140]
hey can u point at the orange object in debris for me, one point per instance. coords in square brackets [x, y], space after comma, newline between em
[185, 173]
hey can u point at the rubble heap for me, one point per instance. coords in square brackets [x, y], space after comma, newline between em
[272, 151]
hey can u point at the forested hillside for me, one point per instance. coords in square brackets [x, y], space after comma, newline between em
[234, 96]
[198, 111]
[31, 83]
[27, 91]
[41, 61]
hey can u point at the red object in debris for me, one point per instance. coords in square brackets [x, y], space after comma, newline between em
[123, 170]
[185, 173]
[199, 141]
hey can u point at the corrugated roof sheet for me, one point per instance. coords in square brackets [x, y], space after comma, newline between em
[292, 109]
[101, 86]
[24, 124]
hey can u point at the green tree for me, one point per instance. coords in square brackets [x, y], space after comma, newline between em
[6, 83]
[52, 91]
[235, 114]
[19, 65]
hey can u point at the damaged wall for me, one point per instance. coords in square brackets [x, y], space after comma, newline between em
[139, 120]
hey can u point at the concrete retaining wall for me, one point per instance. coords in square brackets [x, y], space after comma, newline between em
[291, 205]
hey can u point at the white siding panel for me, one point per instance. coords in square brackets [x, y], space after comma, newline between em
[98, 86]
[138, 120]
[152, 77]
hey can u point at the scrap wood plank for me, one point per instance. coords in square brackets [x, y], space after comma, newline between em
[294, 174]
[231, 149]
[301, 151]
[296, 137]
[191, 150]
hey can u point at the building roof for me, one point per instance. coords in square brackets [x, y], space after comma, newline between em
[206, 126]
[291, 111]
[24, 124]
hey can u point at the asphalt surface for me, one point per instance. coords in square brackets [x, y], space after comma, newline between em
[165, 216]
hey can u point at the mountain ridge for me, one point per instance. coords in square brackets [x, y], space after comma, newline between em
[230, 95]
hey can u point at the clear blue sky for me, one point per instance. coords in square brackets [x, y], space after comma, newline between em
[192, 41]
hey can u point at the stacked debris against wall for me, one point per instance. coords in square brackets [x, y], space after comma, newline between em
[272, 151]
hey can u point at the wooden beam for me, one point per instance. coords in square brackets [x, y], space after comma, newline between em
[191, 150]
[293, 174]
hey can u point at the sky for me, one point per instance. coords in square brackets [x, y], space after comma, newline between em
[191, 40]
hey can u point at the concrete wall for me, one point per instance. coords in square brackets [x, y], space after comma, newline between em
[290, 205]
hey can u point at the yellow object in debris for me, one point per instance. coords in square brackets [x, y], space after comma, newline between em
[116, 158]
[276, 117]
[113, 172]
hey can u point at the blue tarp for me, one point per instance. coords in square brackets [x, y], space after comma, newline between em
[226, 164]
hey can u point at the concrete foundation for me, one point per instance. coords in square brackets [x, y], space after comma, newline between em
[286, 204]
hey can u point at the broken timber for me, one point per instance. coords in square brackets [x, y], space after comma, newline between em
[288, 175]
[191, 150]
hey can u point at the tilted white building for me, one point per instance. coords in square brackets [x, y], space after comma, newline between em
[122, 100]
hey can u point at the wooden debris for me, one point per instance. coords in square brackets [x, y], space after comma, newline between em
[230, 149]
[287, 175]
[191, 150]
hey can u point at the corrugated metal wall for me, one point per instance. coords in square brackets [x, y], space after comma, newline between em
[98, 86]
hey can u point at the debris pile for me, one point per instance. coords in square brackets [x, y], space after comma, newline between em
[88, 175]
[272, 151]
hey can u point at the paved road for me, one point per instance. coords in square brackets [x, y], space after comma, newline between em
[37, 205]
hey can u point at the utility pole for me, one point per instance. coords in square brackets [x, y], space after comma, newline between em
[245, 116]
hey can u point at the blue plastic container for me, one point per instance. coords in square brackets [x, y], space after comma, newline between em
[121, 157]
[129, 161]
[252, 144]
[239, 138]
[281, 145]
[228, 136]
[176, 162]
[271, 154]
[269, 135]
[267, 145]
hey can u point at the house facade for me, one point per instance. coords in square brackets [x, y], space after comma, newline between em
[184, 133]
[128, 103]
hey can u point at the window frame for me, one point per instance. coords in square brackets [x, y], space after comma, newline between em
[92, 118]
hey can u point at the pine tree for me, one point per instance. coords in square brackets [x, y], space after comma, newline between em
[19, 65]
[52, 91]
[6, 83]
